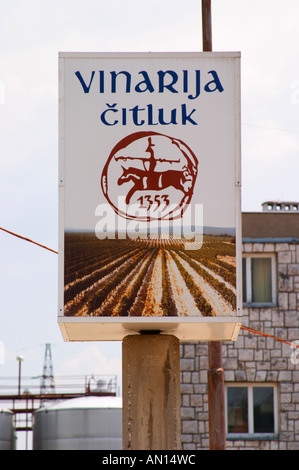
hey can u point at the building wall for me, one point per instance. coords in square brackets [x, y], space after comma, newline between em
[252, 359]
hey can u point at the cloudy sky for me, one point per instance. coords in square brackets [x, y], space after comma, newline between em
[32, 32]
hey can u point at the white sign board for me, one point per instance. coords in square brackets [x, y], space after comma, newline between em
[149, 195]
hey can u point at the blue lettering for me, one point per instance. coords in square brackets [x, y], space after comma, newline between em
[103, 115]
[148, 85]
[216, 82]
[150, 116]
[169, 87]
[187, 117]
[161, 117]
[101, 86]
[135, 112]
[124, 116]
[185, 81]
[197, 86]
[167, 80]
[113, 81]
[85, 87]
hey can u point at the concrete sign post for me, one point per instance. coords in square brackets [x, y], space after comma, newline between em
[151, 392]
[150, 217]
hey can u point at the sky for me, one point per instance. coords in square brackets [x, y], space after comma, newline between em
[32, 33]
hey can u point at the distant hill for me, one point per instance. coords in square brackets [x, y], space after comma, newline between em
[231, 231]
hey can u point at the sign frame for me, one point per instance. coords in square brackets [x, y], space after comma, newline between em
[220, 328]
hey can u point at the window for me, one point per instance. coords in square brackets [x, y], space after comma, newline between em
[251, 410]
[259, 279]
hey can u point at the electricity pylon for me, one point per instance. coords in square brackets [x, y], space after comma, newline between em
[48, 383]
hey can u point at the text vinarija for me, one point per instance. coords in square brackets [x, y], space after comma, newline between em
[160, 82]
[123, 82]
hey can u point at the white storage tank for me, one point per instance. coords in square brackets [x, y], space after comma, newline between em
[7, 433]
[86, 423]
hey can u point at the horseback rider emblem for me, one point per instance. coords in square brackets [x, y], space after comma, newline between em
[150, 176]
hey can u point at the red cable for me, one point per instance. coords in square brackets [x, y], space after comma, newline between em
[28, 240]
[270, 336]
[242, 327]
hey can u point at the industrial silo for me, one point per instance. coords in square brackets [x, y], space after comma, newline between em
[7, 433]
[86, 423]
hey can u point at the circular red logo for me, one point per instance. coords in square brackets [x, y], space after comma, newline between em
[149, 176]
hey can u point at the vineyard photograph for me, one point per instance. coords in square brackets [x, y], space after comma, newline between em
[148, 277]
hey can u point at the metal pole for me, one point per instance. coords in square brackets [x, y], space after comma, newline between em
[216, 397]
[206, 25]
[20, 359]
[215, 372]
[19, 378]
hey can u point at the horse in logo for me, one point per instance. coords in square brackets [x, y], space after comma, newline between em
[148, 179]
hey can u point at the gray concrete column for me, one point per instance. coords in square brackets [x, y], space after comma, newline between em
[151, 392]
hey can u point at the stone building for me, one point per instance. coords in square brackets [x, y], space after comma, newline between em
[261, 373]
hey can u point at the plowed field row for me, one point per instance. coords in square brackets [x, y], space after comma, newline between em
[151, 279]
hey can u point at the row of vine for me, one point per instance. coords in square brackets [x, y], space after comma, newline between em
[203, 306]
[226, 293]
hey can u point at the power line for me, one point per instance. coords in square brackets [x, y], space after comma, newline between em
[270, 336]
[270, 128]
[242, 327]
[28, 240]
